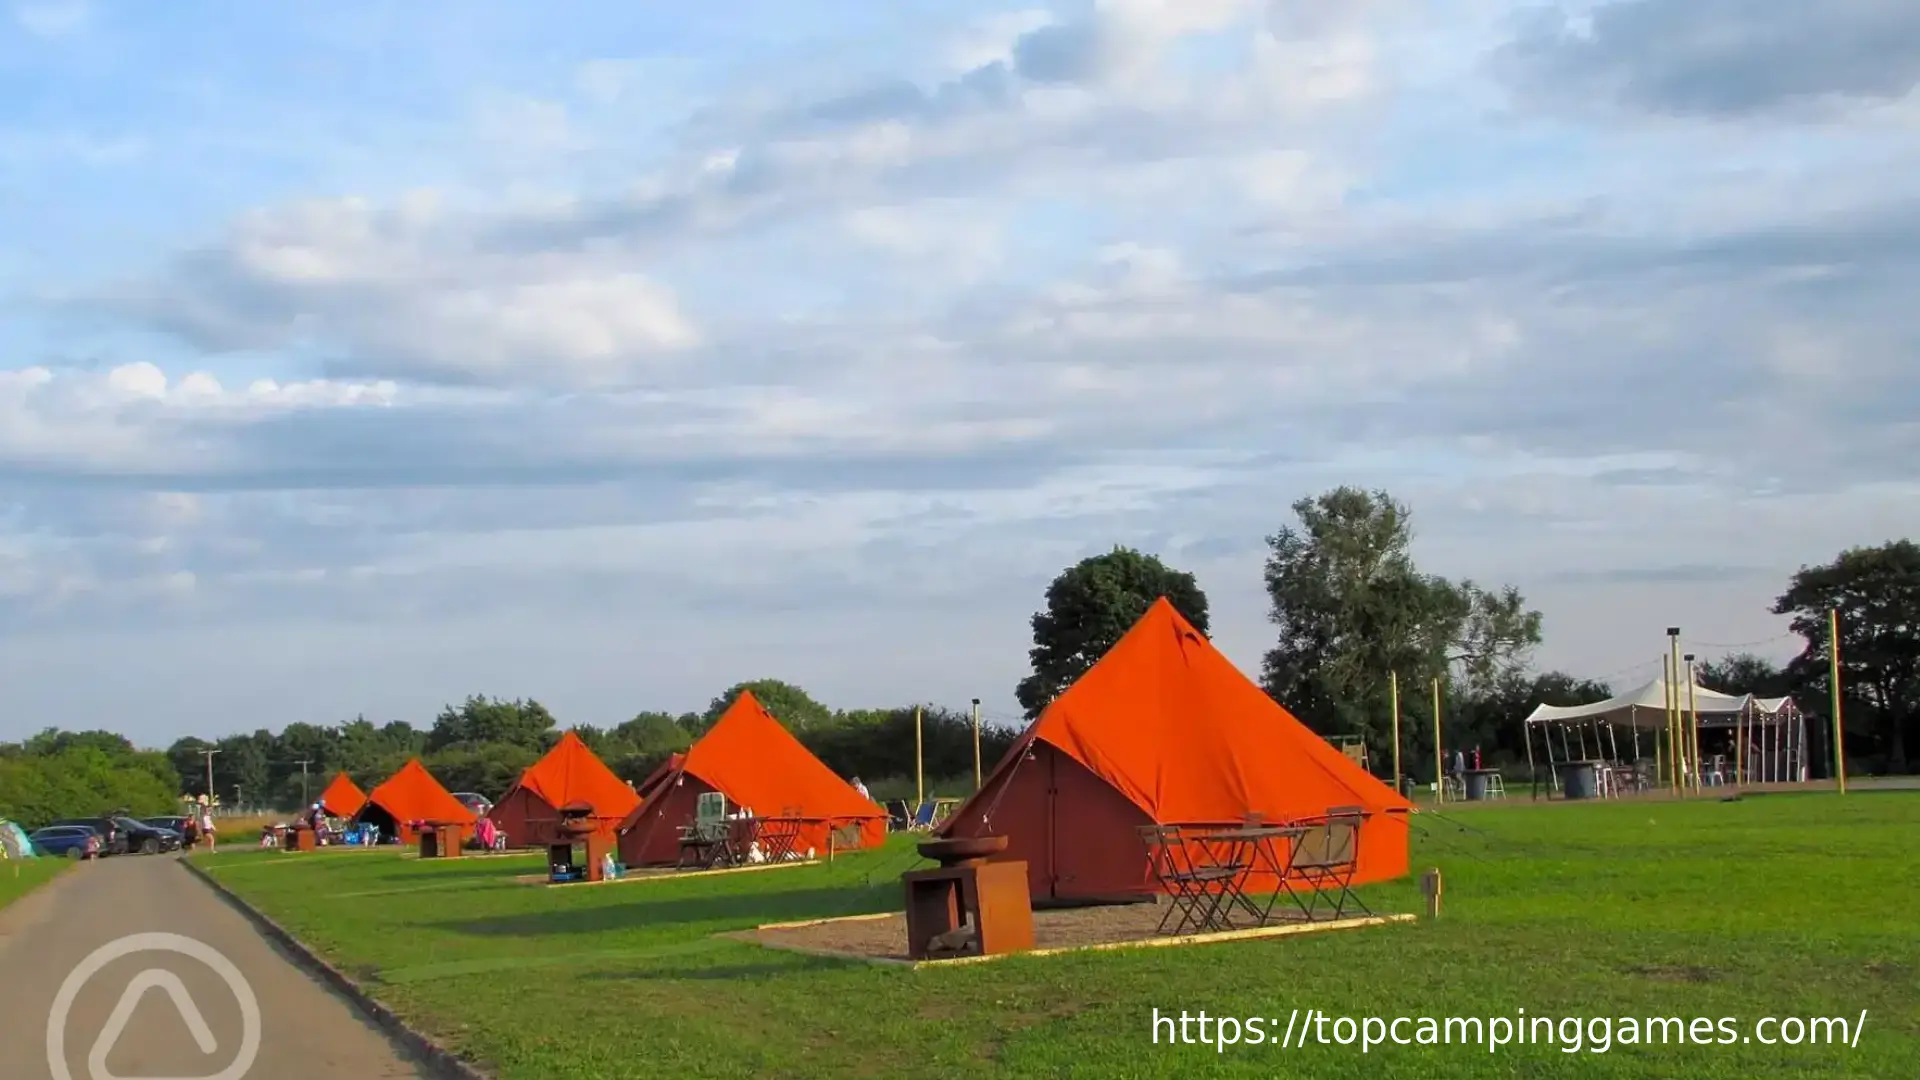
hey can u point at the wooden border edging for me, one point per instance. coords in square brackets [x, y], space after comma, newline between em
[650, 874]
[437, 1058]
[1249, 934]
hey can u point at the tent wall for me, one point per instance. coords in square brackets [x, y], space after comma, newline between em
[525, 817]
[1080, 837]
[652, 836]
[379, 816]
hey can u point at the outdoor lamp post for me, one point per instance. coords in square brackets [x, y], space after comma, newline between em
[1676, 725]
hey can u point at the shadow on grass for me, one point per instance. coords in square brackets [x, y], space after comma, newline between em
[789, 964]
[738, 909]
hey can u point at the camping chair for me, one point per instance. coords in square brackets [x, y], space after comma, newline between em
[899, 815]
[1201, 895]
[1324, 859]
[709, 839]
[922, 818]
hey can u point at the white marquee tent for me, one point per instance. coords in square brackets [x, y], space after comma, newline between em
[1766, 736]
[1646, 707]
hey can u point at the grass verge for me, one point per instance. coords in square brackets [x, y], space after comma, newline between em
[1775, 906]
[18, 877]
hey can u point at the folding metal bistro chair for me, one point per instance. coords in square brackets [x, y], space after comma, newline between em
[1200, 895]
[1324, 859]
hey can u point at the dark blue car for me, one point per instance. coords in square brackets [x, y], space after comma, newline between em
[71, 841]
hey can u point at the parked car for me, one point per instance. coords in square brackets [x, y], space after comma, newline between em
[147, 839]
[172, 823]
[72, 841]
[113, 839]
[475, 802]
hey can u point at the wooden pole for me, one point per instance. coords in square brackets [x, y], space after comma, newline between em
[1533, 778]
[1833, 685]
[1673, 746]
[1691, 768]
[1393, 693]
[1439, 756]
[1693, 722]
[1431, 887]
[1740, 743]
[919, 763]
[976, 744]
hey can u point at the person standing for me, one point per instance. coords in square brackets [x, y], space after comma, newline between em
[206, 826]
[861, 787]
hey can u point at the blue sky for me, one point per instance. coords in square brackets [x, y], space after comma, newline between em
[355, 358]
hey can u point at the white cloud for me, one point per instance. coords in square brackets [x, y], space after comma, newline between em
[53, 18]
[403, 292]
[1137, 272]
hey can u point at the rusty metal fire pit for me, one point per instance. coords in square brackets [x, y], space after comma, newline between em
[969, 906]
[576, 821]
[963, 850]
[577, 826]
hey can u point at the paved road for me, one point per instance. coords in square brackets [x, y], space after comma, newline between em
[307, 1031]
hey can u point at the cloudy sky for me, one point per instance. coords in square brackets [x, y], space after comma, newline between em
[360, 356]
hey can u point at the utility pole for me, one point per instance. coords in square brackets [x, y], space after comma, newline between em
[208, 754]
[976, 744]
[303, 763]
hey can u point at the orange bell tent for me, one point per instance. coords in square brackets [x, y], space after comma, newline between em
[748, 757]
[413, 795]
[343, 798]
[569, 773]
[1165, 730]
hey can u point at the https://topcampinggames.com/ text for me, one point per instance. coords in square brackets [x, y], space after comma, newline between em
[1569, 1034]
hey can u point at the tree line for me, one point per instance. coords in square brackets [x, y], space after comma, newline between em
[483, 744]
[1349, 605]
[1352, 610]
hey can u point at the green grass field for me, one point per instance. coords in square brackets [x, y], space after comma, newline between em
[18, 877]
[1784, 905]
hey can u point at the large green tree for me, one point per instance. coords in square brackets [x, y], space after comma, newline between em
[1089, 606]
[479, 719]
[789, 704]
[1877, 593]
[1352, 607]
[1744, 673]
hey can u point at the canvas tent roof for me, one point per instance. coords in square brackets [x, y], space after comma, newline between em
[659, 775]
[571, 772]
[343, 797]
[1167, 720]
[755, 762]
[1646, 706]
[412, 794]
